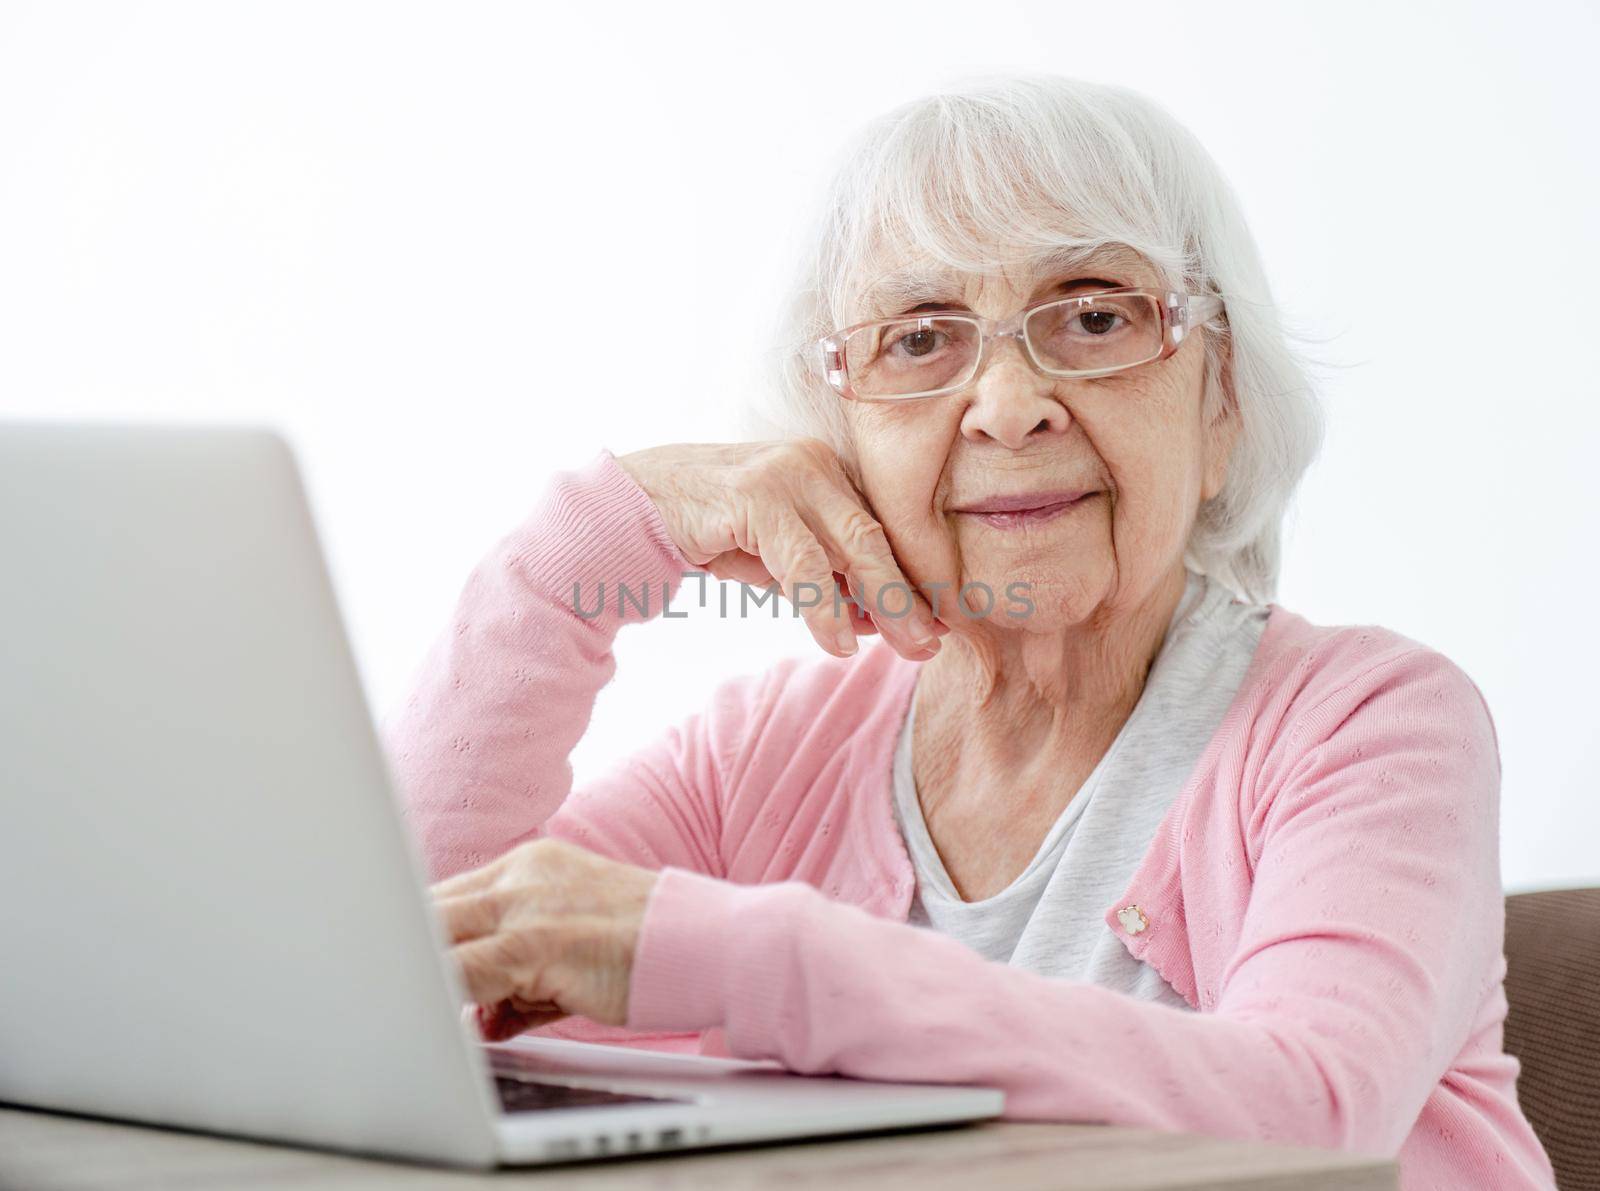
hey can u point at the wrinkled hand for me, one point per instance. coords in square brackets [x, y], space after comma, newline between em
[546, 930]
[788, 516]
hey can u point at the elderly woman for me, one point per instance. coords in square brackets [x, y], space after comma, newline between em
[1090, 821]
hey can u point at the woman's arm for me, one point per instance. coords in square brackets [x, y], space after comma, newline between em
[1372, 929]
[479, 747]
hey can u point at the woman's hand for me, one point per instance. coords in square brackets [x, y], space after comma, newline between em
[546, 930]
[787, 515]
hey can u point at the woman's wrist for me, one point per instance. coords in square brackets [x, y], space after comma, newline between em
[597, 545]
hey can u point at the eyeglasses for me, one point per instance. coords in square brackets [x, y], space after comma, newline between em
[936, 354]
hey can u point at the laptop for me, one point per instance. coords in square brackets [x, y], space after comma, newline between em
[212, 916]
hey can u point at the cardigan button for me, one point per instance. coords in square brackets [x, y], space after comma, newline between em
[1133, 919]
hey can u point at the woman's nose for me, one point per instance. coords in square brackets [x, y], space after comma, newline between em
[1010, 403]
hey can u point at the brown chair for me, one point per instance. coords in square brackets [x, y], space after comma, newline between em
[1553, 1025]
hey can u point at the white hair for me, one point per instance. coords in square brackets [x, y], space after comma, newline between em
[1046, 163]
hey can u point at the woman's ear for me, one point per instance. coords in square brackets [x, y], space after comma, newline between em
[1222, 425]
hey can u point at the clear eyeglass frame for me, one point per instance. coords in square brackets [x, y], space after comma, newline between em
[1180, 314]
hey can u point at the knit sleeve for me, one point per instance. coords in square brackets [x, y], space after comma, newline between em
[479, 745]
[1372, 931]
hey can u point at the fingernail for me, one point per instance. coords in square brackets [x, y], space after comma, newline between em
[845, 640]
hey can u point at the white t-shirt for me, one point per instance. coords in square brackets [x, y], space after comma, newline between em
[1050, 919]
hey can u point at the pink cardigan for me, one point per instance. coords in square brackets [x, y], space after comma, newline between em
[1325, 890]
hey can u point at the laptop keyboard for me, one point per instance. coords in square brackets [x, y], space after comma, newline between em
[523, 1095]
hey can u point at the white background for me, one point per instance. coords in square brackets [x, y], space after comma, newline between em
[392, 230]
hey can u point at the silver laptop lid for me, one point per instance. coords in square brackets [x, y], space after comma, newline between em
[210, 912]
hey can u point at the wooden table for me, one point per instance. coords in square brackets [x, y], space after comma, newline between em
[43, 1151]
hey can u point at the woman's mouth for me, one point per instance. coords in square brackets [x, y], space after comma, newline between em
[1033, 515]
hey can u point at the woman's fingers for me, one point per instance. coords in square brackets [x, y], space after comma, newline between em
[485, 970]
[506, 1019]
[856, 542]
[794, 556]
[496, 979]
[525, 1006]
[555, 935]
[859, 620]
[470, 916]
[740, 567]
[804, 562]
[789, 515]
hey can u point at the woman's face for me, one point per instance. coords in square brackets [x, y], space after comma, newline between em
[1135, 441]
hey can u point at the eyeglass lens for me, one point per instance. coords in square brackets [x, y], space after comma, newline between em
[920, 355]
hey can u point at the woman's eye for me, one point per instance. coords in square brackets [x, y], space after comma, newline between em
[917, 343]
[1097, 322]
